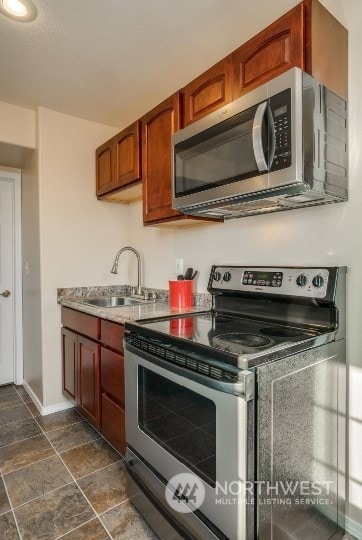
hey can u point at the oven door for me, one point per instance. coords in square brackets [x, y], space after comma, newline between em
[184, 422]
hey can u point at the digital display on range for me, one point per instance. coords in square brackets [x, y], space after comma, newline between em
[264, 279]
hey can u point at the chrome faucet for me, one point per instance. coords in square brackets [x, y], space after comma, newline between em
[115, 267]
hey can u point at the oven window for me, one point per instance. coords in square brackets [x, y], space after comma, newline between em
[180, 420]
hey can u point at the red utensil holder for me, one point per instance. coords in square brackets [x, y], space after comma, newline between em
[181, 293]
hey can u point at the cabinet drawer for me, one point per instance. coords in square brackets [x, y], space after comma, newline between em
[112, 335]
[112, 374]
[113, 423]
[81, 323]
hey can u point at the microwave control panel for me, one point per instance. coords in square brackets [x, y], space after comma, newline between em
[280, 106]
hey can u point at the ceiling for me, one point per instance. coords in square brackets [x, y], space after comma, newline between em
[111, 61]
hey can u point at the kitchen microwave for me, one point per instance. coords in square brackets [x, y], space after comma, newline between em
[281, 146]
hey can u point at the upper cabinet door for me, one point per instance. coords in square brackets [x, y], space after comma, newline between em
[273, 51]
[105, 168]
[127, 155]
[157, 128]
[208, 92]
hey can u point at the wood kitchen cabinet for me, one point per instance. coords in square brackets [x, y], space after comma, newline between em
[308, 37]
[88, 360]
[118, 166]
[112, 396]
[69, 360]
[93, 372]
[105, 168]
[157, 128]
[208, 92]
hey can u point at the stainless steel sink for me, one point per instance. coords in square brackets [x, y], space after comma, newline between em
[113, 301]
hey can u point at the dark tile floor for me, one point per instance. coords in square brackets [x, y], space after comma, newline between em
[60, 478]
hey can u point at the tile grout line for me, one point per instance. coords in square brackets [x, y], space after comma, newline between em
[79, 526]
[97, 515]
[27, 465]
[9, 393]
[76, 483]
[101, 469]
[73, 447]
[42, 495]
[62, 427]
[11, 508]
[113, 507]
[15, 404]
[15, 421]
[102, 436]
[21, 440]
[8, 496]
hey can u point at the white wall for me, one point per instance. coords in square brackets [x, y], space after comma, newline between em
[31, 277]
[17, 125]
[327, 235]
[17, 135]
[157, 248]
[79, 235]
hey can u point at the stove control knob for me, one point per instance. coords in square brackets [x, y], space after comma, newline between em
[227, 276]
[217, 276]
[318, 281]
[301, 280]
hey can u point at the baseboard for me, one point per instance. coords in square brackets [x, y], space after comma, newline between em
[353, 528]
[57, 407]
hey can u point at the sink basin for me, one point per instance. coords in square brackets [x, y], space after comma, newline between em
[113, 301]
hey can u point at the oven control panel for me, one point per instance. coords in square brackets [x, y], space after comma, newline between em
[306, 282]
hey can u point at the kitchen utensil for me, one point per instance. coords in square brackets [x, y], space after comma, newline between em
[180, 277]
[194, 274]
[189, 273]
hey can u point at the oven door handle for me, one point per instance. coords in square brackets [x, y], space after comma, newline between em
[245, 388]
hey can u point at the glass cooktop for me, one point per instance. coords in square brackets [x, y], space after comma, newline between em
[233, 335]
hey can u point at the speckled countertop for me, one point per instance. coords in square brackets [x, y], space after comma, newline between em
[70, 298]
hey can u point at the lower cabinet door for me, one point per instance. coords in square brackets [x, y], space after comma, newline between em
[88, 401]
[113, 423]
[69, 359]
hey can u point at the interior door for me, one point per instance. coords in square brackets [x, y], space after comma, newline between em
[7, 304]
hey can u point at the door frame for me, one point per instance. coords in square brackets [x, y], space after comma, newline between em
[14, 175]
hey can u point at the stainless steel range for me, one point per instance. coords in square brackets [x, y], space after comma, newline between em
[235, 418]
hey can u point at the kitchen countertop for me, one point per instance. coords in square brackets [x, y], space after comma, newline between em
[131, 313]
[70, 298]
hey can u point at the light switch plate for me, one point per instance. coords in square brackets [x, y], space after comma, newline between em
[179, 266]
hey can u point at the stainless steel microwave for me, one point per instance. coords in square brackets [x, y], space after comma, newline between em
[281, 146]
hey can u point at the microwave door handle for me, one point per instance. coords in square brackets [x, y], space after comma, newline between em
[257, 137]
